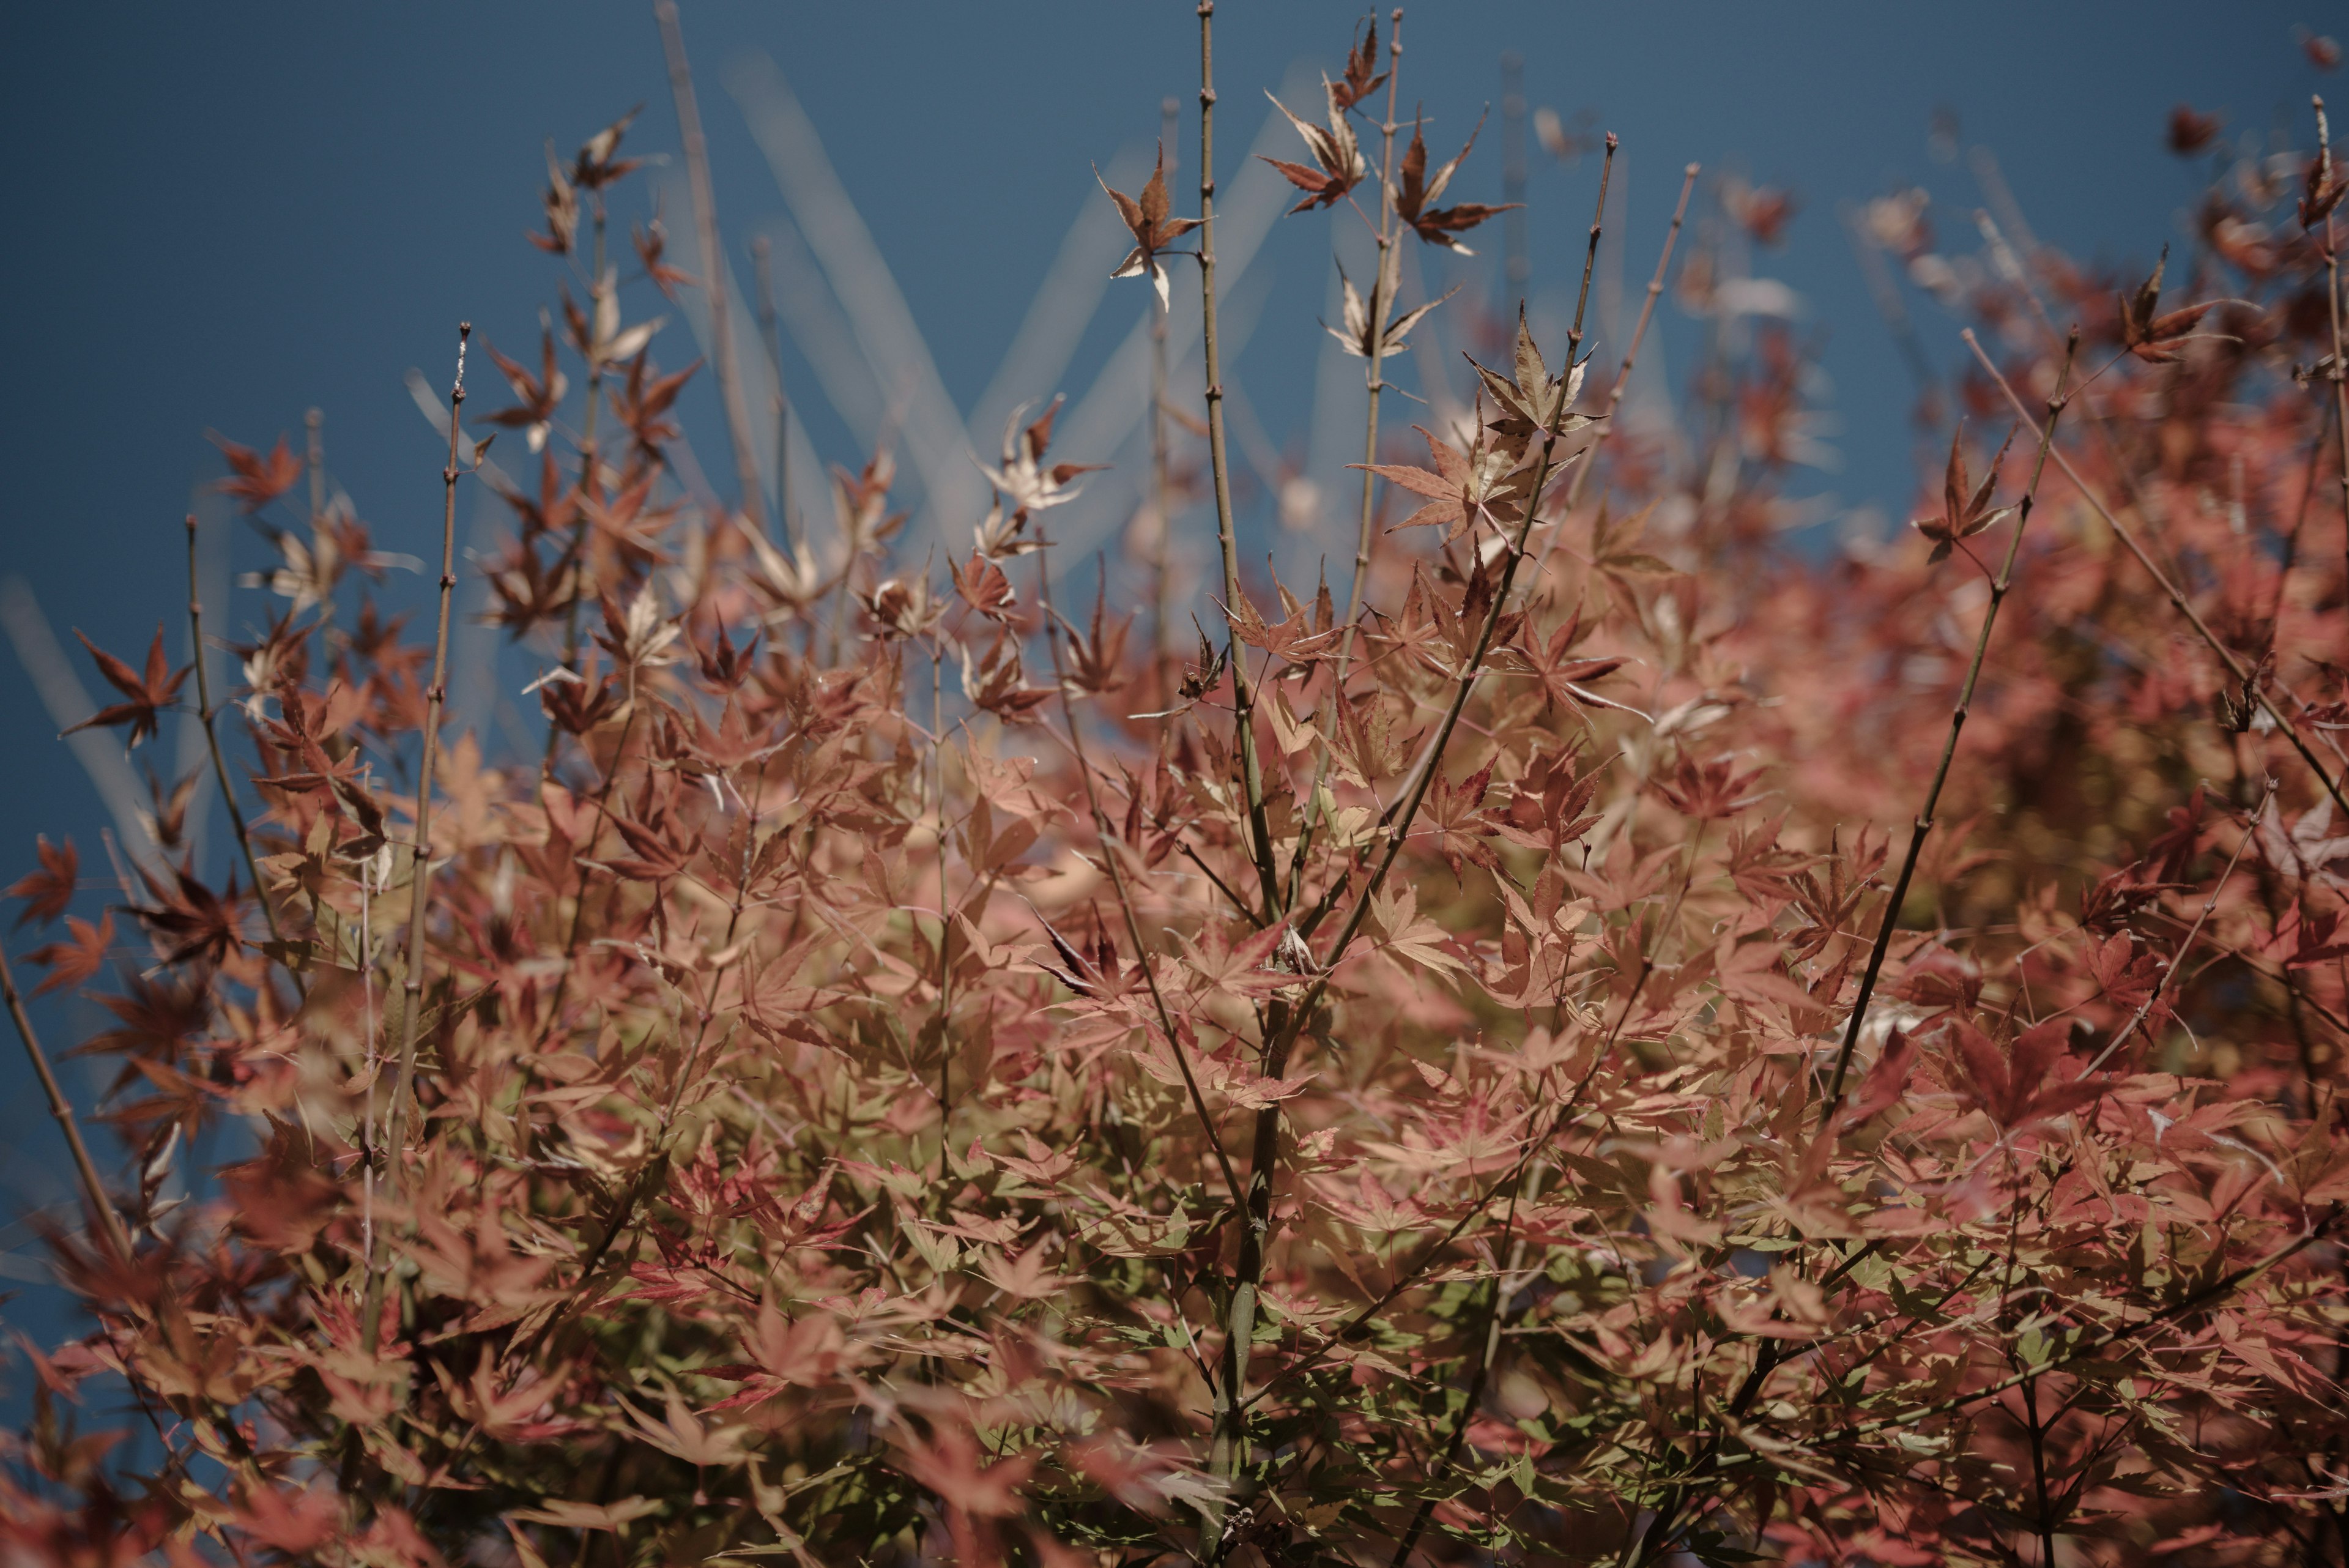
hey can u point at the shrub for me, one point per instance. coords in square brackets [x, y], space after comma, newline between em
[1606, 1038]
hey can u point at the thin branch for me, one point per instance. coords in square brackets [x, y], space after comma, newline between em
[1880, 288]
[2184, 943]
[1110, 847]
[1162, 483]
[204, 715]
[772, 330]
[2178, 600]
[101, 1210]
[1243, 687]
[1407, 810]
[1623, 375]
[1924, 823]
[419, 887]
[1573, 494]
[1231, 1392]
[2340, 375]
[1381, 305]
[572, 564]
[2217, 1290]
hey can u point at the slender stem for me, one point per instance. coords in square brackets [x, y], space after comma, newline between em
[314, 424]
[1522, 1169]
[420, 884]
[1314, 918]
[1112, 862]
[1432, 757]
[1575, 494]
[590, 488]
[1664, 1527]
[2339, 376]
[1622, 374]
[1109, 859]
[770, 328]
[1488, 1344]
[1525, 1180]
[2081, 1350]
[1374, 379]
[2186, 943]
[1243, 687]
[2299, 521]
[101, 1210]
[1924, 822]
[373, 1058]
[204, 715]
[946, 919]
[579, 903]
[2170, 591]
[1519, 266]
[656, 1166]
[1231, 1392]
[2038, 1436]
[313, 442]
[1162, 485]
[1880, 287]
[713, 261]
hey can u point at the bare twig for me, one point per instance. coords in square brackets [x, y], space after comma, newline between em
[204, 715]
[1622, 375]
[1243, 686]
[420, 888]
[572, 571]
[101, 1210]
[1880, 288]
[1923, 825]
[2340, 375]
[770, 328]
[1162, 483]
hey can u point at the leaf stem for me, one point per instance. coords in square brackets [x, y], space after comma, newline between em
[2186, 944]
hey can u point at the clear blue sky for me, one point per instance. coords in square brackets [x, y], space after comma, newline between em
[222, 215]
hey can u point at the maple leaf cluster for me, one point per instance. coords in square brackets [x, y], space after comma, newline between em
[1637, 1043]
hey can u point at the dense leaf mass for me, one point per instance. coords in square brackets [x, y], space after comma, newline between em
[1609, 1070]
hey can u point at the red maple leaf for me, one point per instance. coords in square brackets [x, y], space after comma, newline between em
[149, 693]
[48, 891]
[258, 480]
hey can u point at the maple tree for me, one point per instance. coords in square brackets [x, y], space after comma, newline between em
[1451, 1072]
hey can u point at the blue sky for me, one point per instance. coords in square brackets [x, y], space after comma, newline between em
[226, 215]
